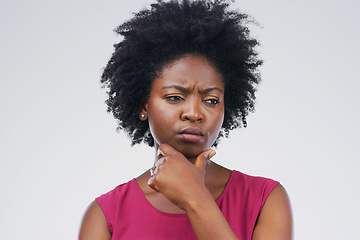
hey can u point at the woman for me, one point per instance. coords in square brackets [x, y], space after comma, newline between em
[184, 75]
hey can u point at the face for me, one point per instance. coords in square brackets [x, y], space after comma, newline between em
[186, 106]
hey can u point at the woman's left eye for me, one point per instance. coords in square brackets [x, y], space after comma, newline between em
[212, 101]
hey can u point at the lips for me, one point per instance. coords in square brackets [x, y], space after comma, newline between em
[191, 134]
[192, 130]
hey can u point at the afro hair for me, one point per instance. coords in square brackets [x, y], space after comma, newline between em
[167, 31]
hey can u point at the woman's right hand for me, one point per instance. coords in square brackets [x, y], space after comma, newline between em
[177, 178]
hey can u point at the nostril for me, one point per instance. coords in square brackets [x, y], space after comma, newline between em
[191, 118]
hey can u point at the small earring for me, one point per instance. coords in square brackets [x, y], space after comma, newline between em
[143, 116]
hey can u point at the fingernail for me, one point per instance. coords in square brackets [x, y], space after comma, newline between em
[159, 153]
[211, 154]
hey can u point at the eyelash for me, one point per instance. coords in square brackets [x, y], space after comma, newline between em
[211, 101]
[174, 98]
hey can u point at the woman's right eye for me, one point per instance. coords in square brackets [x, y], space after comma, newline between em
[174, 98]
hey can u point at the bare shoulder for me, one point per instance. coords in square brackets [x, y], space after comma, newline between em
[275, 220]
[94, 225]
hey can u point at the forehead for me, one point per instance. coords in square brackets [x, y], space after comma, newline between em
[190, 71]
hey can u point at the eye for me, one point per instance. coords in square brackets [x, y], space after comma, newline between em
[212, 101]
[174, 98]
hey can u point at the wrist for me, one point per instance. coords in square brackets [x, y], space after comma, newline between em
[196, 202]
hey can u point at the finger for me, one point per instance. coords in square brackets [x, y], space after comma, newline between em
[155, 169]
[203, 157]
[160, 161]
[165, 149]
[151, 183]
[152, 173]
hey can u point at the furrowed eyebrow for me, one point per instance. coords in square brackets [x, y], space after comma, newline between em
[176, 87]
[180, 88]
[207, 90]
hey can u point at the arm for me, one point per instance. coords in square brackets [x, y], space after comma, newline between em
[94, 225]
[275, 220]
[206, 218]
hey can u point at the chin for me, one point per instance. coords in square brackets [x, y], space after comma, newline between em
[191, 150]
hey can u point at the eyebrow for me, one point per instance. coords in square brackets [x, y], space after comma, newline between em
[180, 88]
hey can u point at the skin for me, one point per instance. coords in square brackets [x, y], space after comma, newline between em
[190, 93]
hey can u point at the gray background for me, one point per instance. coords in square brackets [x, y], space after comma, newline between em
[59, 148]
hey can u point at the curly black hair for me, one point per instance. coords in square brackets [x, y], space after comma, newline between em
[167, 31]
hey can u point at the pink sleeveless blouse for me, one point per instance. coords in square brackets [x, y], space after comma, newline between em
[130, 216]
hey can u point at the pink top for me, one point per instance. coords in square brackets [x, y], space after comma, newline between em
[130, 216]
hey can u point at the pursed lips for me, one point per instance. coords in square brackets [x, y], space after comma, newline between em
[191, 134]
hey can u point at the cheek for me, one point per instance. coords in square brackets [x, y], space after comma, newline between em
[219, 116]
[159, 117]
[158, 112]
[216, 125]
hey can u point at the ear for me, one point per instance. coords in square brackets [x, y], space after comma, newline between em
[143, 109]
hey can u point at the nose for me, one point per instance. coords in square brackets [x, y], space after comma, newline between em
[192, 111]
